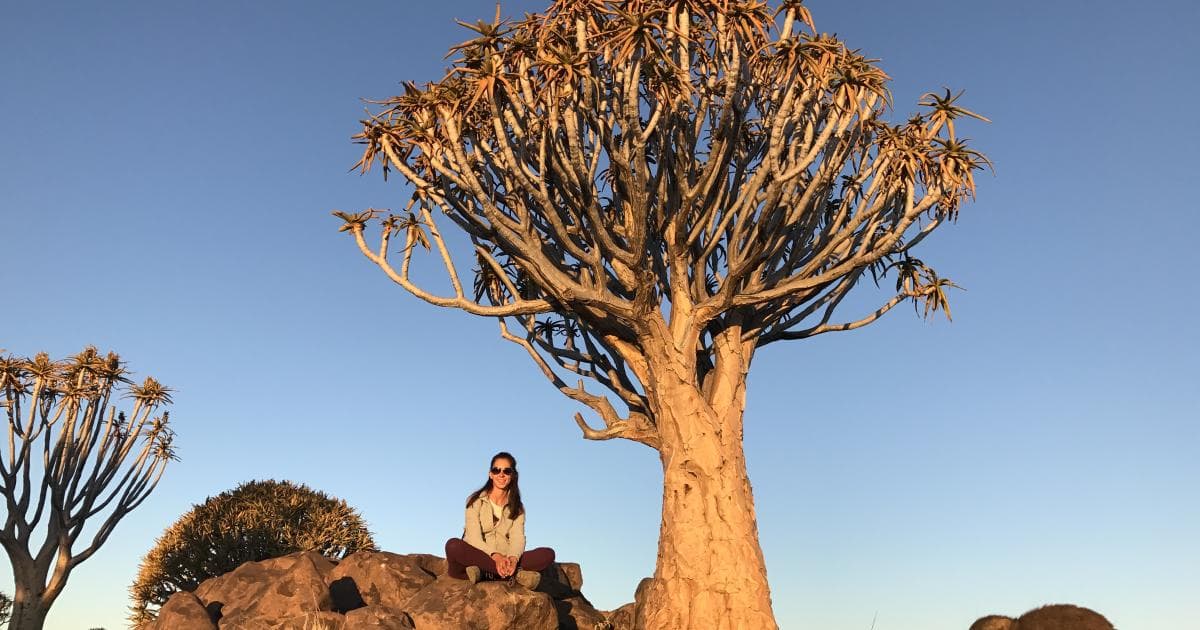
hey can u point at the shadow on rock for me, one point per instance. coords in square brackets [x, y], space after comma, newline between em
[376, 591]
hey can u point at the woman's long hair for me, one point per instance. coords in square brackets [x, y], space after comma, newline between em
[515, 507]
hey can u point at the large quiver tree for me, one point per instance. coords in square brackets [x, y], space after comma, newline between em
[73, 466]
[653, 189]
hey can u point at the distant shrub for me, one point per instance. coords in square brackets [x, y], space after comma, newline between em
[5, 607]
[255, 521]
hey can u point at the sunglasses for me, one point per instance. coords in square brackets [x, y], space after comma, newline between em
[503, 471]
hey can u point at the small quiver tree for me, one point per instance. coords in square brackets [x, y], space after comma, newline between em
[72, 460]
[255, 521]
[652, 191]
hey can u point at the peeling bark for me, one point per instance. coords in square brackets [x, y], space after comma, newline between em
[710, 571]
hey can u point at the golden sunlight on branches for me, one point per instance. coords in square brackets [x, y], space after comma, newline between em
[714, 160]
[652, 190]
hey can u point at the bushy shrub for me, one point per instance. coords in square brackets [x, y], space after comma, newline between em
[255, 521]
[5, 608]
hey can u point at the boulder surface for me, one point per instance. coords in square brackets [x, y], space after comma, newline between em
[376, 591]
[188, 612]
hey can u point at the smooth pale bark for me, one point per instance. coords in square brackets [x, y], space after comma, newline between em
[31, 604]
[28, 615]
[710, 571]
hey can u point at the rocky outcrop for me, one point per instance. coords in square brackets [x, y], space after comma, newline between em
[188, 612]
[376, 591]
[624, 617]
[449, 604]
[1053, 617]
[379, 579]
[298, 589]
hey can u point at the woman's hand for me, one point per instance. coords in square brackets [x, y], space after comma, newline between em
[510, 566]
[507, 566]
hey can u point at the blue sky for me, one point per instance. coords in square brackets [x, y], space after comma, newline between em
[166, 176]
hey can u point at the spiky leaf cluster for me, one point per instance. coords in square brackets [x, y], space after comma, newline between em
[255, 521]
[717, 164]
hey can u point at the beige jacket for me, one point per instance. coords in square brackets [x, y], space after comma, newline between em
[506, 536]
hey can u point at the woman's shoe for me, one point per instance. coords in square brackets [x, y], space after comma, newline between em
[473, 575]
[529, 579]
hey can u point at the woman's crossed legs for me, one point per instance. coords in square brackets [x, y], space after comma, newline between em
[460, 554]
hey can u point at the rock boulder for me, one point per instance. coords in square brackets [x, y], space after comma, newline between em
[377, 579]
[625, 617]
[376, 591]
[299, 590]
[188, 612]
[450, 604]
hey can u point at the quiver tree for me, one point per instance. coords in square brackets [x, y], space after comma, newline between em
[72, 460]
[653, 190]
[254, 521]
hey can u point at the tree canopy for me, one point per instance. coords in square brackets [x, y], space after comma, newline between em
[705, 172]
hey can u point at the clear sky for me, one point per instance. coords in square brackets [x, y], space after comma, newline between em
[167, 171]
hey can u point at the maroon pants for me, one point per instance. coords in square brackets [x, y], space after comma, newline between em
[460, 554]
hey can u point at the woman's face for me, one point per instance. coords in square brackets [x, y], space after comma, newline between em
[501, 472]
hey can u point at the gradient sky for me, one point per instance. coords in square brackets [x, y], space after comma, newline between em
[167, 171]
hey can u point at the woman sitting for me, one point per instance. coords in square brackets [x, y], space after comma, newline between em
[493, 542]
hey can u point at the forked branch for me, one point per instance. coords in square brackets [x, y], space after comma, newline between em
[70, 458]
[659, 172]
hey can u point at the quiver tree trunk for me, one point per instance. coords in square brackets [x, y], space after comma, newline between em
[28, 614]
[710, 571]
[31, 598]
